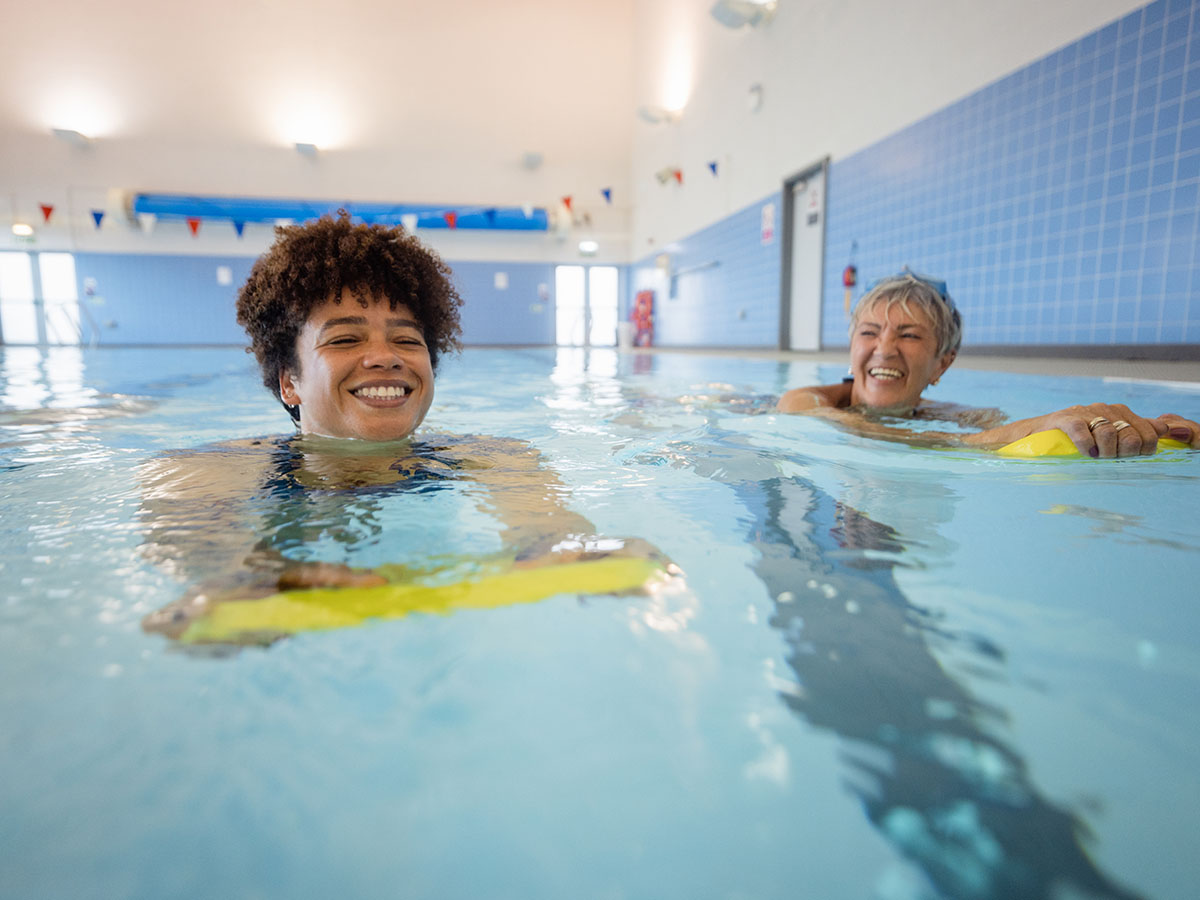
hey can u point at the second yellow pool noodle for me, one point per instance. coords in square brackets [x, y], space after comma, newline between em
[290, 612]
[1056, 443]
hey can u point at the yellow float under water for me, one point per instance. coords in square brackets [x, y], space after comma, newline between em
[290, 612]
[1056, 443]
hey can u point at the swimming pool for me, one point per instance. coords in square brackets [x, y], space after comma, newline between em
[895, 673]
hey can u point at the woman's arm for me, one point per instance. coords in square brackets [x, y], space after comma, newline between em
[1093, 429]
[803, 399]
[1103, 441]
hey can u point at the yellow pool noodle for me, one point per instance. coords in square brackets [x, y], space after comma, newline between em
[1056, 443]
[290, 612]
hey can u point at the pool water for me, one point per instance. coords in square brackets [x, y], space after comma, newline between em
[894, 673]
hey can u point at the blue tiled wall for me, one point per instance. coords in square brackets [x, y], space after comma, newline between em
[162, 299]
[1059, 204]
[734, 303]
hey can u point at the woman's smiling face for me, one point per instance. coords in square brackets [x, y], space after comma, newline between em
[364, 372]
[893, 357]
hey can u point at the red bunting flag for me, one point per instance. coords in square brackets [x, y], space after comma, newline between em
[567, 202]
[451, 219]
[47, 212]
[194, 226]
[678, 173]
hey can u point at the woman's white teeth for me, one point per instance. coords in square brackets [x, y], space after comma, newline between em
[382, 393]
[885, 373]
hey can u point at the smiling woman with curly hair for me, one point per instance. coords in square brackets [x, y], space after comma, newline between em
[321, 276]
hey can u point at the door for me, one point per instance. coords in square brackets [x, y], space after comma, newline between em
[803, 259]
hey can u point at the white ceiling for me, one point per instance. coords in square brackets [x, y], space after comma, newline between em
[463, 86]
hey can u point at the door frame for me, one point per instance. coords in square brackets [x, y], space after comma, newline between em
[787, 236]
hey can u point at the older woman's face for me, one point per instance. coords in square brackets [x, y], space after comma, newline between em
[893, 357]
[364, 373]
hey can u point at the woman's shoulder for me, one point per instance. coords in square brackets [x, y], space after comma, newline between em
[817, 396]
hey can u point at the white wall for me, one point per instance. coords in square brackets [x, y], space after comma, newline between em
[836, 76]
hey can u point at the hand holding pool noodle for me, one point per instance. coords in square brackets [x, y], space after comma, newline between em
[1056, 443]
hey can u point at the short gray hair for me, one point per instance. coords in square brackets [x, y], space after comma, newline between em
[927, 294]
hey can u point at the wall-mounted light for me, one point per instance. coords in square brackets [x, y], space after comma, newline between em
[740, 13]
[656, 115]
[308, 151]
[754, 97]
[72, 137]
[20, 229]
[588, 248]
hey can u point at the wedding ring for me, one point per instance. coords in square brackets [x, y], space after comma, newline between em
[1119, 424]
[1099, 420]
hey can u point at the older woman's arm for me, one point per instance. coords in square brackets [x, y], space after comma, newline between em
[803, 399]
[1096, 430]
[1104, 441]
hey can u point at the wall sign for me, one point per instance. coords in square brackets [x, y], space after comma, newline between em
[768, 223]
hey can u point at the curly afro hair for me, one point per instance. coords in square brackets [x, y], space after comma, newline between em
[312, 263]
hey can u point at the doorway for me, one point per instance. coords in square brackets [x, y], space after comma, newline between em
[585, 306]
[803, 258]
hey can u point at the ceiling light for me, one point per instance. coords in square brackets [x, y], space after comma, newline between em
[73, 137]
[22, 230]
[739, 13]
[309, 151]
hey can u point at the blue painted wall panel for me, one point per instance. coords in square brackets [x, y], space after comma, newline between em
[515, 315]
[160, 299]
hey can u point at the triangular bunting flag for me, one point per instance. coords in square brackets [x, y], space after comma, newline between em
[607, 192]
[451, 219]
[490, 215]
[147, 221]
[566, 201]
[678, 173]
[527, 208]
[712, 166]
[239, 227]
[409, 222]
[194, 226]
[98, 216]
[47, 212]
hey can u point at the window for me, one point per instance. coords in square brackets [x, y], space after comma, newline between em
[18, 315]
[57, 271]
[26, 317]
